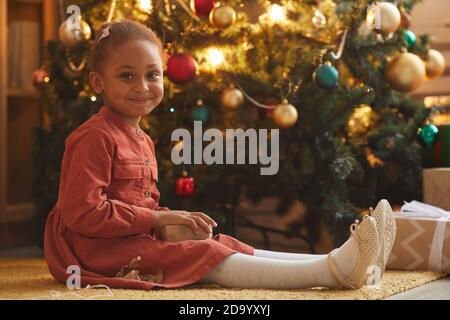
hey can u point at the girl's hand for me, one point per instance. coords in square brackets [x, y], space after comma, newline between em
[191, 219]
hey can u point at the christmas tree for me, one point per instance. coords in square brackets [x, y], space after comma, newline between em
[332, 76]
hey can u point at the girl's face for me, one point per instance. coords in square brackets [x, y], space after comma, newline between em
[131, 80]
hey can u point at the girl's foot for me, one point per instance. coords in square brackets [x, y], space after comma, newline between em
[386, 230]
[349, 264]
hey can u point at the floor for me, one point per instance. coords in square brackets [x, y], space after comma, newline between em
[436, 290]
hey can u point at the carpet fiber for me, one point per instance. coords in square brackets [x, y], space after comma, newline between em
[30, 279]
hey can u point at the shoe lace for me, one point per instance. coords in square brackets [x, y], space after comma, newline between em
[354, 225]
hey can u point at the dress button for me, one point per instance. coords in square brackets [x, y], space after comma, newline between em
[147, 193]
[146, 162]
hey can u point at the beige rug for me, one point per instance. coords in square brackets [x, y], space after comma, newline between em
[29, 279]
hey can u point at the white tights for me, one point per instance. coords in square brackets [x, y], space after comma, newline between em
[281, 270]
[286, 255]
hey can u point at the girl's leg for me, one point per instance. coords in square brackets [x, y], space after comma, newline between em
[286, 255]
[246, 271]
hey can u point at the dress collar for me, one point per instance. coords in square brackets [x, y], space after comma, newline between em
[113, 116]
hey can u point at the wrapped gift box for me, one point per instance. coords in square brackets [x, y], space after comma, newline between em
[423, 239]
[175, 233]
[436, 187]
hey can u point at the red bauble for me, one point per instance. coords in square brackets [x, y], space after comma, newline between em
[181, 68]
[38, 77]
[185, 186]
[202, 7]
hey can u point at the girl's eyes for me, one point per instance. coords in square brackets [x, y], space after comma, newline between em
[125, 75]
[154, 74]
[128, 75]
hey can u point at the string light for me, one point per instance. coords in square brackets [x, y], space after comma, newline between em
[439, 106]
[433, 101]
[372, 159]
[46, 79]
[276, 13]
[319, 20]
[360, 120]
[362, 114]
[215, 57]
[145, 5]
[93, 98]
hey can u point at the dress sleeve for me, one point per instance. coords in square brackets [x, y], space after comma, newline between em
[85, 206]
[158, 208]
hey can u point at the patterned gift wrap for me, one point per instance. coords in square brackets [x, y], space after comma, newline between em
[422, 240]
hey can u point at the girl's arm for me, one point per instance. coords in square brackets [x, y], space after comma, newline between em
[85, 206]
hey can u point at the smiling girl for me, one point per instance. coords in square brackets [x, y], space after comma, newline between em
[108, 202]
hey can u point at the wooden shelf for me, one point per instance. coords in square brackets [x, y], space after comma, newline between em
[27, 1]
[18, 93]
[17, 213]
[21, 21]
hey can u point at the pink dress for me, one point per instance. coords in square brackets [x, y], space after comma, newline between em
[103, 216]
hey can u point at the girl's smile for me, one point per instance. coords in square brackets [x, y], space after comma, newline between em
[140, 101]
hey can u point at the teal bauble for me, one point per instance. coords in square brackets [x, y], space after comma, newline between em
[201, 112]
[326, 76]
[427, 135]
[410, 38]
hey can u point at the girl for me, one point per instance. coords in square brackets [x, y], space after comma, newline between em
[107, 208]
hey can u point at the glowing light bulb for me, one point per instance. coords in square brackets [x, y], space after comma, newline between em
[428, 101]
[145, 5]
[215, 57]
[319, 20]
[93, 98]
[276, 13]
[46, 79]
[360, 120]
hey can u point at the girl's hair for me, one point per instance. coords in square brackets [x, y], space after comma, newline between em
[120, 32]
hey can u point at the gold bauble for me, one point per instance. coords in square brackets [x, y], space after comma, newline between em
[222, 16]
[405, 72]
[231, 98]
[72, 37]
[383, 17]
[285, 115]
[435, 64]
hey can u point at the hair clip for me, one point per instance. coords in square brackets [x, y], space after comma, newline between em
[105, 33]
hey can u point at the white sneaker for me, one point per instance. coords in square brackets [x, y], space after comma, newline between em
[367, 241]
